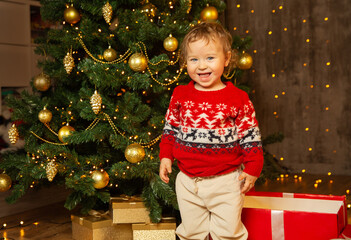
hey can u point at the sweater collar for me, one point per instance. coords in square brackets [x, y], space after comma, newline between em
[228, 85]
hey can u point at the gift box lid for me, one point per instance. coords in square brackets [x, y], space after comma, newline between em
[126, 202]
[154, 226]
[92, 222]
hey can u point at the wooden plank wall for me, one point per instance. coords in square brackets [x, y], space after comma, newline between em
[300, 77]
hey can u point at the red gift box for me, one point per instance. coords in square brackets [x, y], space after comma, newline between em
[289, 216]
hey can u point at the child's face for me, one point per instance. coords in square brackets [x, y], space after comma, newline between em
[206, 62]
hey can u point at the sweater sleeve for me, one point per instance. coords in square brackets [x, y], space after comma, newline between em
[249, 138]
[171, 129]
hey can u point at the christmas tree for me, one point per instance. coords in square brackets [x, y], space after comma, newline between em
[97, 110]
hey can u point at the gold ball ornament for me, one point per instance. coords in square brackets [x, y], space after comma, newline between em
[42, 82]
[134, 153]
[110, 54]
[245, 61]
[95, 102]
[13, 134]
[51, 170]
[68, 62]
[65, 131]
[5, 182]
[170, 43]
[149, 10]
[138, 62]
[209, 14]
[71, 15]
[107, 12]
[45, 116]
[101, 179]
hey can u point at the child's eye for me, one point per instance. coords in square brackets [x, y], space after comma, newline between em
[210, 58]
[193, 59]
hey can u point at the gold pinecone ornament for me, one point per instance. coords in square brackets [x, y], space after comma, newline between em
[95, 102]
[13, 134]
[68, 62]
[107, 12]
[51, 170]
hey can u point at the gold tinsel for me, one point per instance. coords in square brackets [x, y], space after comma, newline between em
[51, 170]
[68, 62]
[107, 12]
[96, 101]
[13, 134]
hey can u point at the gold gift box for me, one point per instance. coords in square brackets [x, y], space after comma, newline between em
[157, 231]
[128, 210]
[99, 228]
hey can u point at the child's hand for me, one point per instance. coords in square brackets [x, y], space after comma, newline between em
[248, 183]
[165, 169]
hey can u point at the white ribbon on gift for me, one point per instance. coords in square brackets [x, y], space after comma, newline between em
[277, 221]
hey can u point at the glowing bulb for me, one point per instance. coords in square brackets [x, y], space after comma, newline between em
[325, 19]
[328, 64]
[285, 29]
[270, 33]
[310, 149]
[308, 40]
[303, 170]
[329, 173]
[238, 5]
[306, 129]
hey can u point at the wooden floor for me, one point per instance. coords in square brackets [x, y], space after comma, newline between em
[53, 222]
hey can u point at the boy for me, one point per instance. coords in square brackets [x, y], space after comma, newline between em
[211, 130]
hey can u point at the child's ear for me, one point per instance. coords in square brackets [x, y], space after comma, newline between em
[228, 58]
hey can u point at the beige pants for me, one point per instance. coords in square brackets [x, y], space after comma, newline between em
[210, 205]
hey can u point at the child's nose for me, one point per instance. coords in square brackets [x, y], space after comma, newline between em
[202, 65]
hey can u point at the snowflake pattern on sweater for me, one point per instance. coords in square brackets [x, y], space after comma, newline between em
[212, 132]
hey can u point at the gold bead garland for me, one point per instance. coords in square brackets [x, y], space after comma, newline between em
[119, 60]
[128, 53]
[92, 125]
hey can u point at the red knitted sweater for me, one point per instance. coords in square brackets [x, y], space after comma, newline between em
[212, 132]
